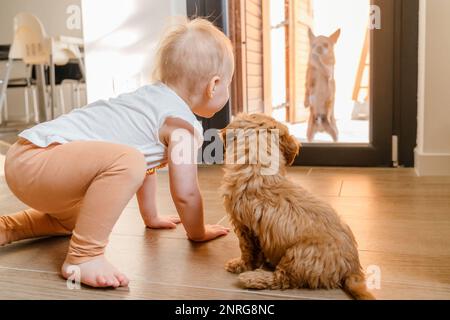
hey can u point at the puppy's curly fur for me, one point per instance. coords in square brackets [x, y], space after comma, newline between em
[301, 238]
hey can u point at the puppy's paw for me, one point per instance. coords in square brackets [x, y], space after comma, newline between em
[258, 279]
[237, 266]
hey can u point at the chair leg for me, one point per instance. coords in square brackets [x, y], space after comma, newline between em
[27, 105]
[72, 96]
[61, 99]
[78, 95]
[48, 107]
[5, 110]
[82, 68]
[2, 111]
[42, 93]
[75, 95]
[4, 85]
[52, 88]
[35, 105]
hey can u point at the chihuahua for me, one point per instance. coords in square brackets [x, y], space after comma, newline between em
[321, 86]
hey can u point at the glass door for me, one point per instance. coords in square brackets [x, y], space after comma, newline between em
[323, 67]
[332, 78]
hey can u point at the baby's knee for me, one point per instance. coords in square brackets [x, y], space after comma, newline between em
[135, 167]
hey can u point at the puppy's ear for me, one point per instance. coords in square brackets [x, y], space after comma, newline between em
[311, 35]
[335, 36]
[290, 147]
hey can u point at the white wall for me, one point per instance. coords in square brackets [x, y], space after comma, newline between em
[52, 13]
[120, 38]
[433, 150]
[54, 16]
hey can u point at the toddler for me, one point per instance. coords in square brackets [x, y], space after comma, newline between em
[78, 172]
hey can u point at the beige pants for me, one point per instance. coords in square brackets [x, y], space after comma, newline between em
[77, 188]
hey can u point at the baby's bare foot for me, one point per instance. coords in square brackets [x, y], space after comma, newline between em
[98, 273]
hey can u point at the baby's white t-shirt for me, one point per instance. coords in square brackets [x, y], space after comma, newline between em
[133, 119]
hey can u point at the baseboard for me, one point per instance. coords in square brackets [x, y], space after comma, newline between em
[432, 164]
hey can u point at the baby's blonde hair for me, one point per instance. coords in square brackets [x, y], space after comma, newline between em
[193, 52]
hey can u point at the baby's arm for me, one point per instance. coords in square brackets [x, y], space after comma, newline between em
[184, 184]
[146, 196]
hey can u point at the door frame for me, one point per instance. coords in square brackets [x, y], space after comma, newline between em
[237, 32]
[217, 12]
[406, 79]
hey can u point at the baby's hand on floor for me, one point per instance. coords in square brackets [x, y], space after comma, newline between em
[160, 222]
[212, 232]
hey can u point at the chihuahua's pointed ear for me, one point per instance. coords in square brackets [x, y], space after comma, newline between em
[335, 36]
[311, 35]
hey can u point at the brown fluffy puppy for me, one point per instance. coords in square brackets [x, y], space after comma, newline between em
[279, 224]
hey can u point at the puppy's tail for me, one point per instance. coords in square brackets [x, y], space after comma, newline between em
[261, 279]
[355, 285]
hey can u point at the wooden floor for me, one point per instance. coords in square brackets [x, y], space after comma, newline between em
[402, 224]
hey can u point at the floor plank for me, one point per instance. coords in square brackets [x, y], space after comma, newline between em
[23, 284]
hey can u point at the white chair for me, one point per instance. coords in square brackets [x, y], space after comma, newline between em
[3, 86]
[75, 89]
[20, 78]
[32, 45]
